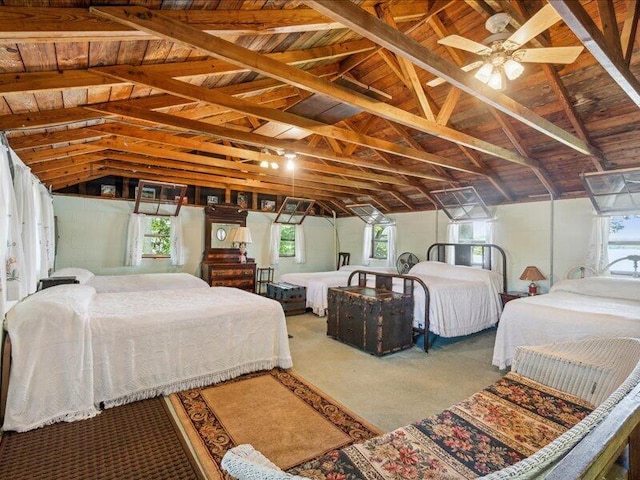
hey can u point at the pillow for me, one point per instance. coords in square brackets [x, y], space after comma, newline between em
[622, 288]
[82, 275]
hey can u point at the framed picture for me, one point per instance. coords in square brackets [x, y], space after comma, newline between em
[242, 200]
[268, 205]
[108, 191]
[147, 192]
[212, 199]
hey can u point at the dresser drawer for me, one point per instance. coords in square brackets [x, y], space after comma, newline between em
[231, 272]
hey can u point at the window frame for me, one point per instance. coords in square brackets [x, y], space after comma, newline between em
[292, 240]
[635, 242]
[148, 233]
[476, 252]
[374, 241]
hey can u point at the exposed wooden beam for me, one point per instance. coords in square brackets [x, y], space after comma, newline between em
[165, 27]
[408, 70]
[133, 170]
[32, 158]
[203, 94]
[47, 24]
[128, 111]
[167, 139]
[629, 30]
[539, 172]
[609, 25]
[370, 27]
[579, 21]
[83, 78]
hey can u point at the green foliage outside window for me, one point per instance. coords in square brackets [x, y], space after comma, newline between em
[380, 240]
[157, 237]
[287, 241]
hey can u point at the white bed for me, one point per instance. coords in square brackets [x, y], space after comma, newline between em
[573, 309]
[318, 283]
[462, 300]
[74, 350]
[141, 282]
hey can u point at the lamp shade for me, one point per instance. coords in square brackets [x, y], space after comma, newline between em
[532, 274]
[242, 235]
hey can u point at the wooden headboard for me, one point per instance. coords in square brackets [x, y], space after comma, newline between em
[491, 255]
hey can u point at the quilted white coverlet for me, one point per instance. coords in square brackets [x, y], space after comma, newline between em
[563, 314]
[74, 348]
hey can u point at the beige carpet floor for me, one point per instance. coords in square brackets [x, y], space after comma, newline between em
[396, 389]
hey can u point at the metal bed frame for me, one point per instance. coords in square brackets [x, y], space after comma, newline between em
[463, 255]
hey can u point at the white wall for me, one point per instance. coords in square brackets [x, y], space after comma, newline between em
[92, 235]
[522, 230]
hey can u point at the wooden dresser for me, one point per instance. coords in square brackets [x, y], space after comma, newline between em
[374, 320]
[221, 265]
[223, 269]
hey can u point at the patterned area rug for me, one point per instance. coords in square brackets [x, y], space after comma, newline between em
[494, 428]
[277, 412]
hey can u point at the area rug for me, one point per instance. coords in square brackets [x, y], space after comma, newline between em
[137, 441]
[277, 412]
[492, 429]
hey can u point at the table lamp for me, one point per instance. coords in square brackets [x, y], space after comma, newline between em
[242, 236]
[532, 274]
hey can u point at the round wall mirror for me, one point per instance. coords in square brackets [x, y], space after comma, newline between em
[221, 234]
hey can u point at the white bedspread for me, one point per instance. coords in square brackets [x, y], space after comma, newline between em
[318, 283]
[139, 282]
[75, 348]
[570, 311]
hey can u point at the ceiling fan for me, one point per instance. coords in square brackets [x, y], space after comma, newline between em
[501, 53]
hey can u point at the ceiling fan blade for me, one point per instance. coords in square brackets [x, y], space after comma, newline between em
[537, 24]
[548, 55]
[462, 43]
[467, 68]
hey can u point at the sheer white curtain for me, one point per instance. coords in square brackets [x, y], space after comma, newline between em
[274, 244]
[391, 246]
[49, 230]
[12, 286]
[301, 256]
[135, 239]
[453, 236]
[177, 243]
[27, 198]
[597, 251]
[366, 244]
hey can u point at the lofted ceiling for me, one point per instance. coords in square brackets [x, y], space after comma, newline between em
[202, 92]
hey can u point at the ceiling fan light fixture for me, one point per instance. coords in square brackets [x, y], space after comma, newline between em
[512, 69]
[290, 164]
[484, 72]
[496, 81]
[264, 164]
[274, 165]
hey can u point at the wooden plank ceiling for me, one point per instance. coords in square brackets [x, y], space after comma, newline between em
[203, 92]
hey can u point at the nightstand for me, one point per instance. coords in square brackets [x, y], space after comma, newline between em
[508, 296]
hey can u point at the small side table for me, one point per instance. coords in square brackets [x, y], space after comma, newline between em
[508, 296]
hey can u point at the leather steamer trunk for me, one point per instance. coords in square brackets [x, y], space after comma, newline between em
[293, 298]
[374, 320]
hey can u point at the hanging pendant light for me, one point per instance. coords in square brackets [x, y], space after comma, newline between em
[496, 81]
[484, 72]
[513, 69]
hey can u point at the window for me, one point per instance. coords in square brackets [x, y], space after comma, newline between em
[462, 203]
[287, 241]
[380, 242]
[473, 232]
[157, 237]
[624, 240]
